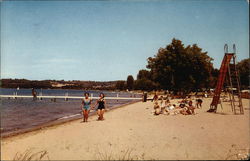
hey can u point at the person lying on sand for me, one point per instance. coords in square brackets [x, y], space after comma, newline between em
[184, 111]
[172, 109]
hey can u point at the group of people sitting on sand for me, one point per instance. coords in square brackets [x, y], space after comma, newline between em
[184, 107]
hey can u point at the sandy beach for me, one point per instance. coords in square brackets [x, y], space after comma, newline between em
[133, 132]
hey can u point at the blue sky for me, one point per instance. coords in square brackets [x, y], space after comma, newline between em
[109, 40]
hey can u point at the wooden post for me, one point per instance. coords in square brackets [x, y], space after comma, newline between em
[66, 96]
[14, 94]
[41, 95]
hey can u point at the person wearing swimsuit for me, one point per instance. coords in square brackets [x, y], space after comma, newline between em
[101, 106]
[86, 102]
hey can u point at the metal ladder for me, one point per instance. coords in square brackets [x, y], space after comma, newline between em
[234, 83]
[228, 69]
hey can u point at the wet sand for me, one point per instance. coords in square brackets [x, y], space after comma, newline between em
[133, 132]
[38, 120]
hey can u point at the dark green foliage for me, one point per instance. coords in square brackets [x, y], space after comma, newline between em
[214, 77]
[181, 68]
[75, 84]
[24, 83]
[144, 81]
[145, 84]
[144, 74]
[178, 68]
[120, 85]
[130, 82]
[244, 69]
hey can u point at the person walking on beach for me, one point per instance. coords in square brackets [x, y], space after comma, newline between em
[199, 103]
[33, 91]
[86, 102]
[101, 106]
[144, 96]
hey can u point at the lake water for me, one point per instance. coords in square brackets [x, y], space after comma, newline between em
[25, 113]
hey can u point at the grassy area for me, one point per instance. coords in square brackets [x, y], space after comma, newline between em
[31, 155]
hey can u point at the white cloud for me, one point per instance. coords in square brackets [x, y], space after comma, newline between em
[9, 74]
[62, 60]
[58, 60]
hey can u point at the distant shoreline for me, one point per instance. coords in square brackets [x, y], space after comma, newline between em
[58, 84]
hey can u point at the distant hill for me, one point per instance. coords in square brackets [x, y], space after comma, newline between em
[58, 84]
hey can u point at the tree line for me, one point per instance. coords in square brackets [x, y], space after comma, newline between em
[51, 84]
[180, 68]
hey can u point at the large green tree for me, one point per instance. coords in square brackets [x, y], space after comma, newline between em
[130, 82]
[180, 68]
[144, 81]
[214, 77]
[145, 84]
[244, 68]
[144, 74]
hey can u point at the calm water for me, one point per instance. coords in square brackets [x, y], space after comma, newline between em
[19, 114]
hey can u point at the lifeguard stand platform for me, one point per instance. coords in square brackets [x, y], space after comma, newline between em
[228, 72]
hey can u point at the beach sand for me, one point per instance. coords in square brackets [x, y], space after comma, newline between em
[133, 132]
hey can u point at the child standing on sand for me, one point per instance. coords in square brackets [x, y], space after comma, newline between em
[86, 102]
[101, 106]
[162, 105]
[155, 98]
[199, 103]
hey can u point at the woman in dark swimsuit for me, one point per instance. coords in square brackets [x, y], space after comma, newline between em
[101, 106]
